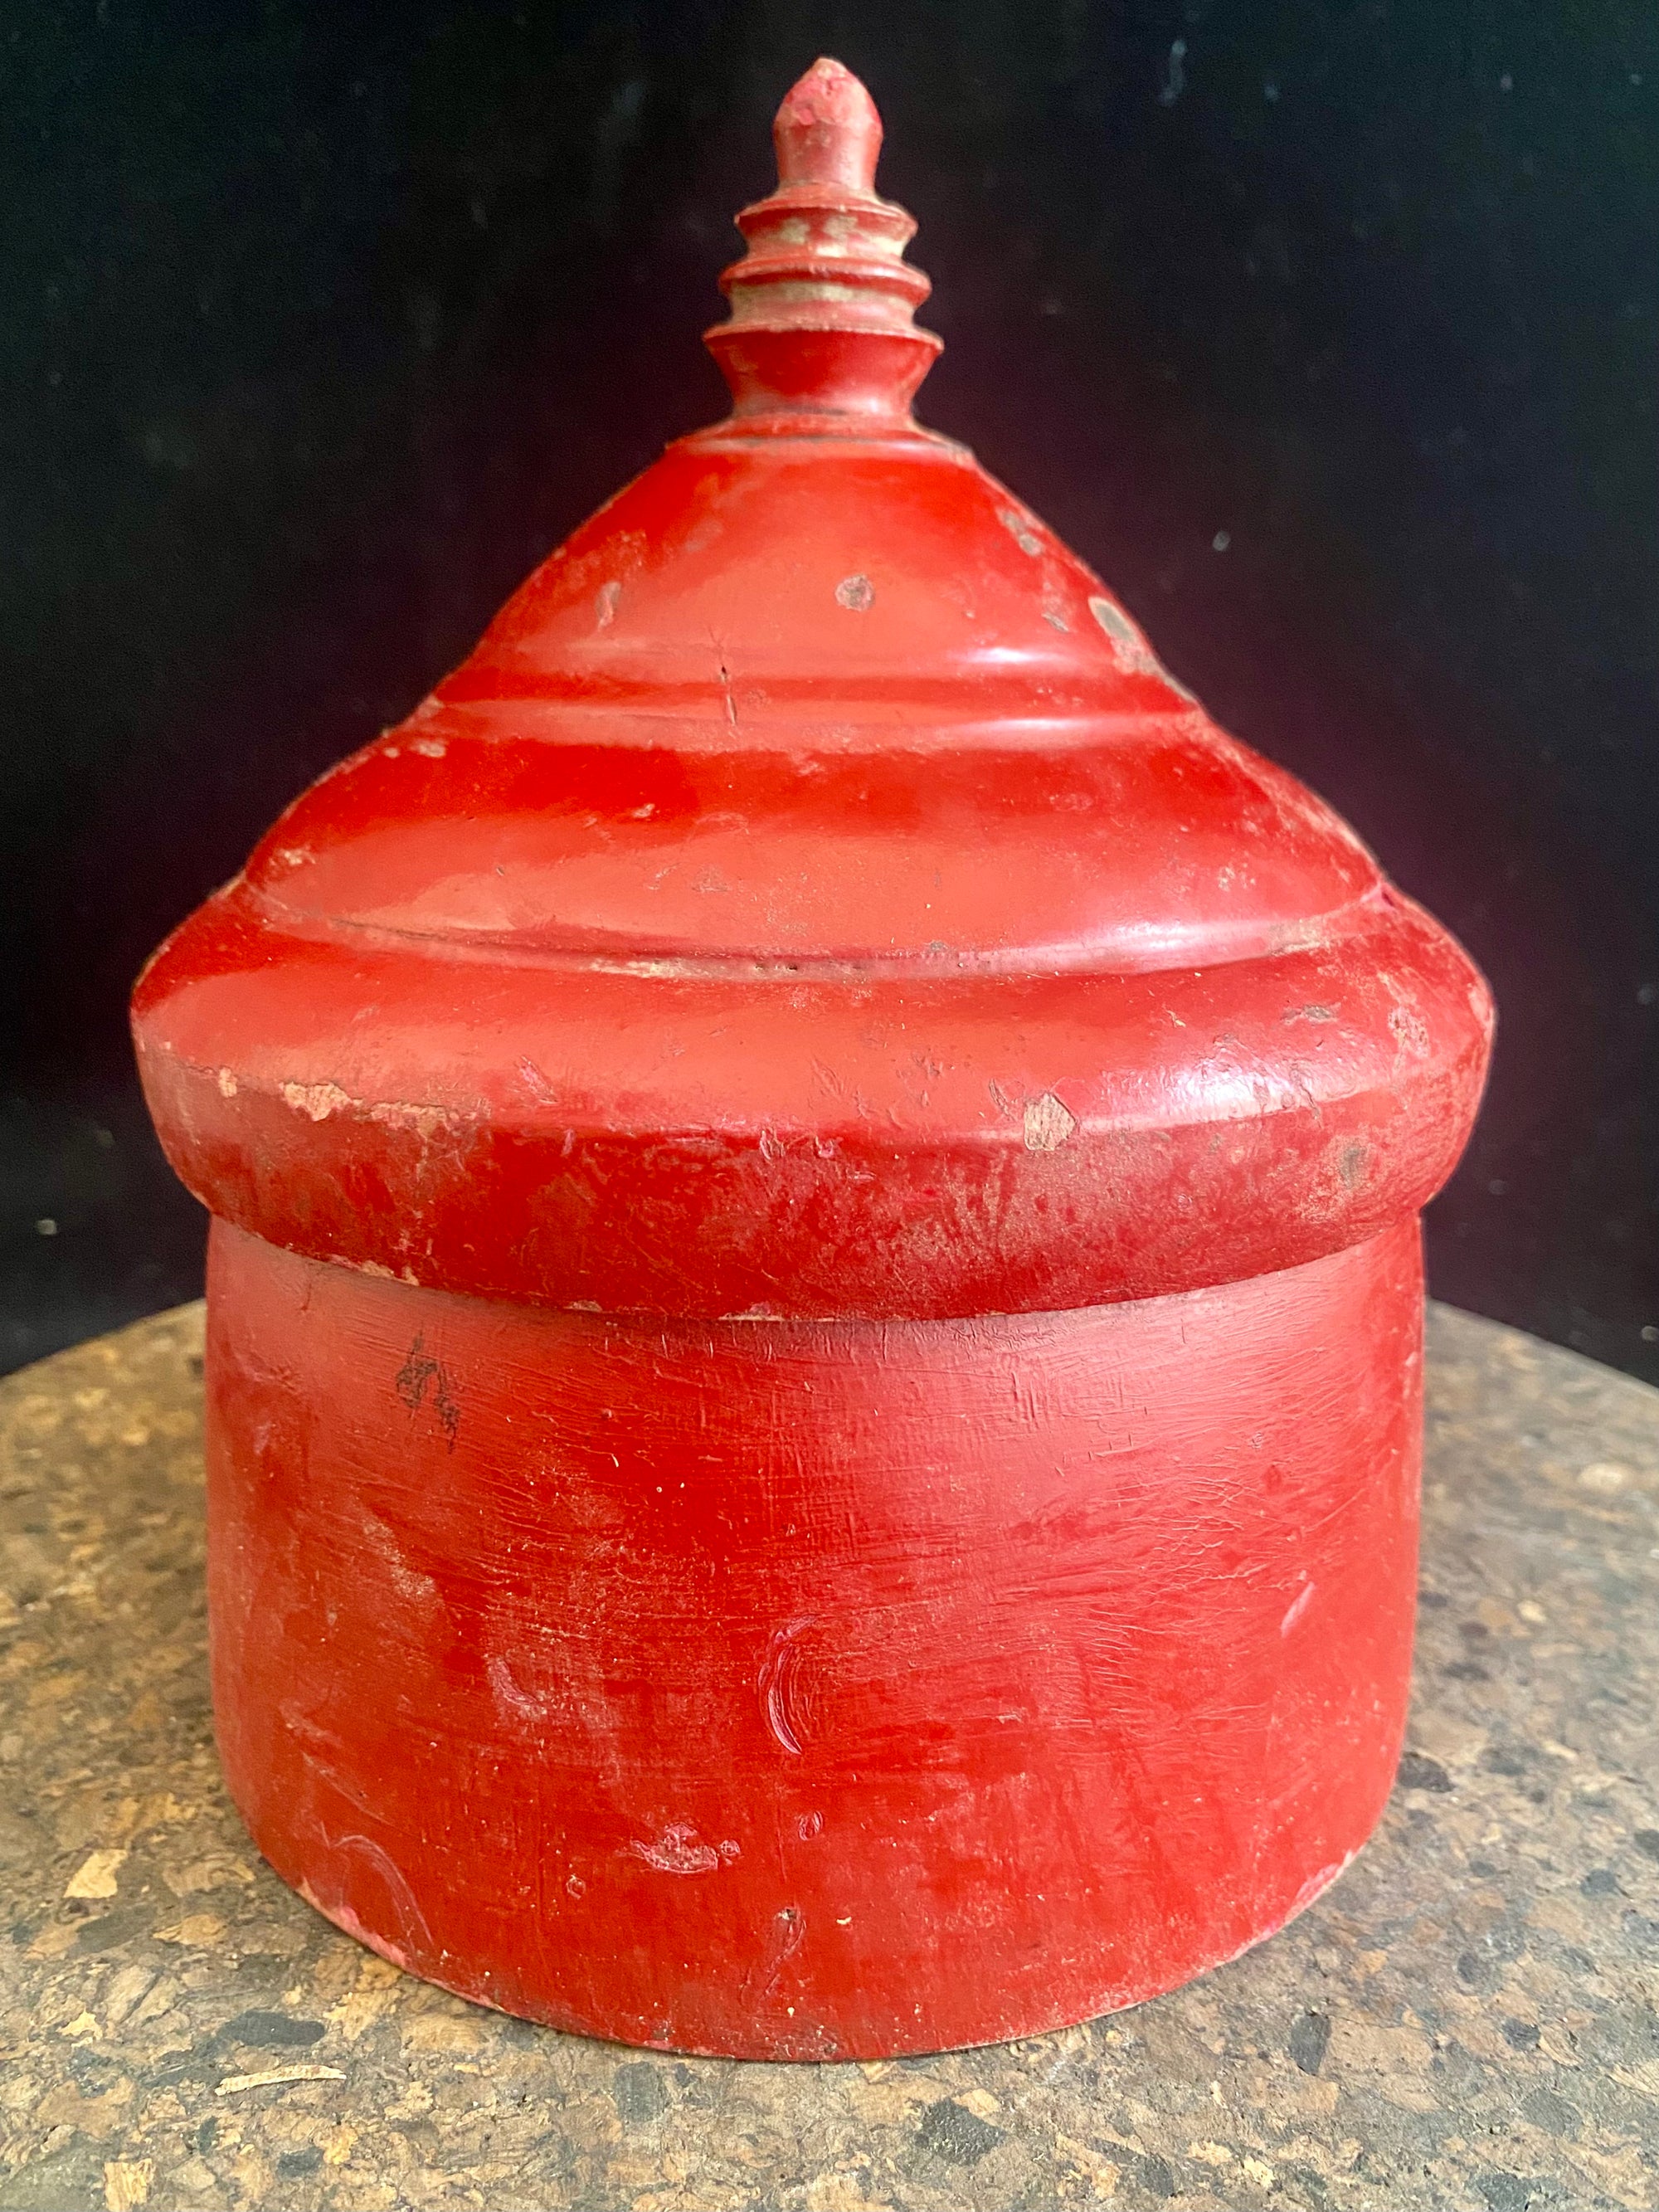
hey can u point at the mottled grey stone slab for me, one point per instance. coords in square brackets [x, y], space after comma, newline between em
[1469, 2018]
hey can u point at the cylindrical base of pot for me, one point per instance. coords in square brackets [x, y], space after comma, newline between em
[811, 1689]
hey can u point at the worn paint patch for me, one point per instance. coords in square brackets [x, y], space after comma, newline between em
[1019, 530]
[855, 593]
[1047, 1124]
[425, 1120]
[679, 1850]
[1322, 1881]
[1129, 648]
[316, 1100]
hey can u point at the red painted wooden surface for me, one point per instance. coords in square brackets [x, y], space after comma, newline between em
[800, 1689]
[775, 1147]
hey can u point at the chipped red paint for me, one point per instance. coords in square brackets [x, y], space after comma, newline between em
[815, 1300]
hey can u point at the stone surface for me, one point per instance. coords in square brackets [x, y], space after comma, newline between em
[1469, 2018]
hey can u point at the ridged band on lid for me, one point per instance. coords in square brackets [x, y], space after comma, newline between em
[823, 302]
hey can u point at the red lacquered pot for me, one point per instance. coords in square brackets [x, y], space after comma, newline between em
[814, 1299]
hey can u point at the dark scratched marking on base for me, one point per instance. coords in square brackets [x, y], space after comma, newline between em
[410, 1384]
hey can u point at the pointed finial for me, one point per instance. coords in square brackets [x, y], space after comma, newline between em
[824, 303]
[828, 132]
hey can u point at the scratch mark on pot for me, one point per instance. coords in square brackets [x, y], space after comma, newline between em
[779, 1692]
[788, 1934]
[411, 1921]
[1047, 1124]
[606, 606]
[1297, 1607]
[326, 1756]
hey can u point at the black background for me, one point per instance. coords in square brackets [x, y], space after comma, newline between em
[1327, 333]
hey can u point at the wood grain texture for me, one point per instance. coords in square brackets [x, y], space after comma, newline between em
[1464, 2021]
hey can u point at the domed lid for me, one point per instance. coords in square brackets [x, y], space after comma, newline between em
[813, 897]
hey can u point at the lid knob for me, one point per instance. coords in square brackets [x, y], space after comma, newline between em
[828, 130]
[823, 335]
